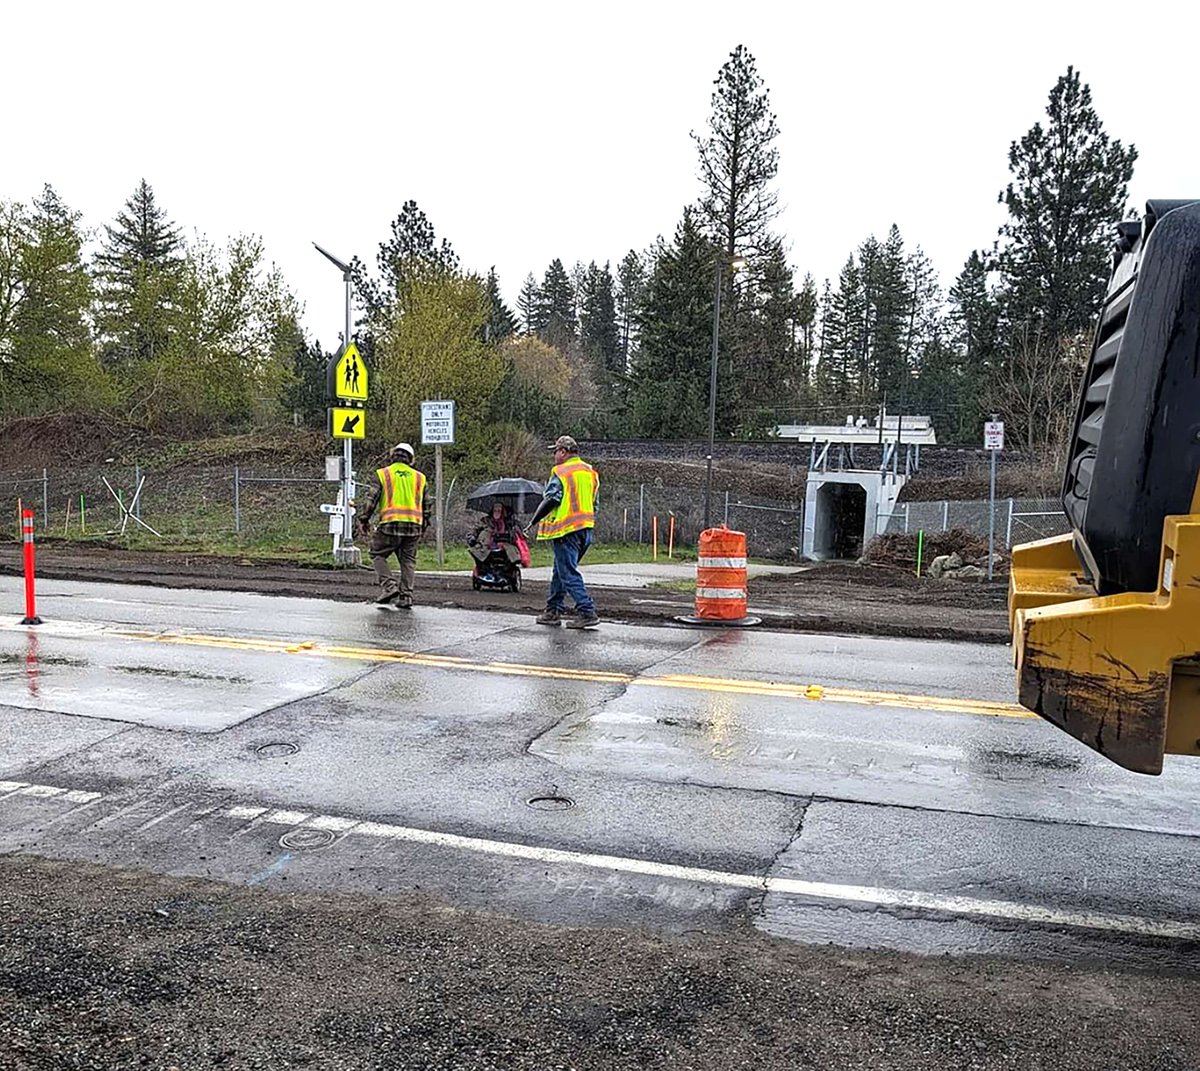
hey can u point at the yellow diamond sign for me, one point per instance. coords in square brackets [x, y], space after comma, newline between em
[347, 423]
[350, 375]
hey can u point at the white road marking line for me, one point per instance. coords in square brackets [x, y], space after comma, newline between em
[1005, 910]
[285, 818]
[248, 813]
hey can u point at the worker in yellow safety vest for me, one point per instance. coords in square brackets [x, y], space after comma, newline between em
[568, 515]
[402, 499]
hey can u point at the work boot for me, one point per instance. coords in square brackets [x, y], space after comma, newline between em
[403, 601]
[549, 616]
[584, 619]
[388, 598]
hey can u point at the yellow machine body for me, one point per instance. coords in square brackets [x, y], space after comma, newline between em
[1119, 672]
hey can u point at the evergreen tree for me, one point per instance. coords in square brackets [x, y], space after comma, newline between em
[631, 282]
[598, 319]
[557, 307]
[1070, 187]
[738, 160]
[305, 392]
[47, 360]
[139, 269]
[889, 314]
[413, 249]
[844, 343]
[675, 327]
[529, 306]
[806, 323]
[769, 372]
[502, 322]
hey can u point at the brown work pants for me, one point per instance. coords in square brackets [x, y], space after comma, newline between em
[383, 545]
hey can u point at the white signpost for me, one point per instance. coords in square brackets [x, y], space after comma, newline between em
[437, 430]
[993, 443]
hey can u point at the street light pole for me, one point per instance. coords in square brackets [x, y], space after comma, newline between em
[347, 553]
[712, 392]
[734, 263]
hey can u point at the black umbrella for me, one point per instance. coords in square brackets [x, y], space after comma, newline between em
[520, 496]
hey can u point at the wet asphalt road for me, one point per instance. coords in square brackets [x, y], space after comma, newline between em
[869, 793]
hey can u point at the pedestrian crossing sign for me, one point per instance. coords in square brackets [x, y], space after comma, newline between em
[350, 375]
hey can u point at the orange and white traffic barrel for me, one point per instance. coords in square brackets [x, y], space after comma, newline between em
[721, 575]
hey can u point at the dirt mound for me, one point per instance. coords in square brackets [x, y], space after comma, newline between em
[901, 550]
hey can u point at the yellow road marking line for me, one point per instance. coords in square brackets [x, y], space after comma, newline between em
[689, 682]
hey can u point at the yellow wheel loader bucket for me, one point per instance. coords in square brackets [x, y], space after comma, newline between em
[1119, 672]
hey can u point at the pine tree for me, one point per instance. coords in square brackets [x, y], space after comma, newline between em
[806, 324]
[413, 249]
[738, 160]
[598, 319]
[557, 307]
[844, 343]
[768, 369]
[1070, 187]
[139, 271]
[631, 281]
[502, 322]
[672, 371]
[529, 306]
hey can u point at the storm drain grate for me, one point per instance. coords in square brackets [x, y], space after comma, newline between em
[550, 803]
[276, 749]
[306, 840]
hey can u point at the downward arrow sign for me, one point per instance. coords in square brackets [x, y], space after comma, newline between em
[349, 425]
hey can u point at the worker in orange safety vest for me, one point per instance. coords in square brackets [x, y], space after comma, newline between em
[567, 516]
[402, 498]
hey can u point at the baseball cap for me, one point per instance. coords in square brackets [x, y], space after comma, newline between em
[565, 442]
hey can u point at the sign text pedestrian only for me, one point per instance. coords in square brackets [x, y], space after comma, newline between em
[437, 423]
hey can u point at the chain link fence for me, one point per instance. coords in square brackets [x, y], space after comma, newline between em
[280, 508]
[1017, 520]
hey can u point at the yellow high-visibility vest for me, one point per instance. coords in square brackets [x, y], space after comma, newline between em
[577, 510]
[403, 493]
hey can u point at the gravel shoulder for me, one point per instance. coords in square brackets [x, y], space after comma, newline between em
[111, 969]
[834, 597]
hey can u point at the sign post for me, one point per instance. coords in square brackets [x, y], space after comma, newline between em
[993, 443]
[437, 429]
[346, 380]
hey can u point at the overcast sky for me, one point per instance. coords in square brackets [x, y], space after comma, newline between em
[528, 131]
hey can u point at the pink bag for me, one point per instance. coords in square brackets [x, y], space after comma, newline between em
[523, 549]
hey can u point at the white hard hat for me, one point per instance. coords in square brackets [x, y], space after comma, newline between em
[404, 448]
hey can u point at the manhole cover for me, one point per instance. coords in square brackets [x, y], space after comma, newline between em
[306, 840]
[276, 749]
[550, 803]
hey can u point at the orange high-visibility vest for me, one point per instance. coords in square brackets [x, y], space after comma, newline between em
[403, 493]
[577, 510]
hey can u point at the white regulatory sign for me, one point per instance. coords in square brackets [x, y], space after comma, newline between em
[993, 435]
[339, 509]
[437, 423]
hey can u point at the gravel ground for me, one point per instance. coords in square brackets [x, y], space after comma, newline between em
[110, 969]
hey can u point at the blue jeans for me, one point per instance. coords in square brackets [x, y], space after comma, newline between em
[567, 579]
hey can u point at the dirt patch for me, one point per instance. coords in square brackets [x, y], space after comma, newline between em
[827, 597]
[115, 969]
